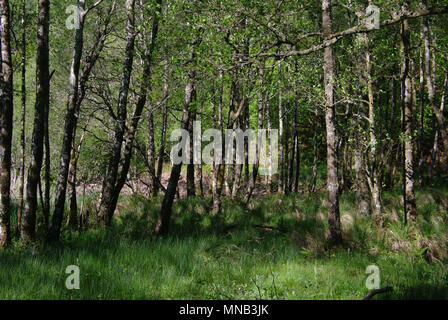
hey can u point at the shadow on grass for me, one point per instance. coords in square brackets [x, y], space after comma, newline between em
[421, 292]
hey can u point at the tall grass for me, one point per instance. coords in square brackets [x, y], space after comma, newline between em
[275, 248]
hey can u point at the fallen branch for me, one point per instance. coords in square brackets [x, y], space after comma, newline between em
[269, 228]
[374, 292]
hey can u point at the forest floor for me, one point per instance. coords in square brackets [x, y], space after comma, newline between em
[273, 249]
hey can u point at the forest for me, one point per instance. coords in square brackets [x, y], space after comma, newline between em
[223, 149]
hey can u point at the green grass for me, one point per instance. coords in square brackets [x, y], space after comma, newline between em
[227, 257]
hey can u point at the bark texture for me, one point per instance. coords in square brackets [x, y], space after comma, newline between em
[42, 102]
[6, 113]
[410, 204]
[106, 208]
[334, 222]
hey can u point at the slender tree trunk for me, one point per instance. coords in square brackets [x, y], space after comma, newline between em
[343, 146]
[422, 113]
[361, 168]
[392, 166]
[77, 92]
[232, 118]
[191, 191]
[72, 220]
[269, 124]
[69, 129]
[430, 81]
[71, 182]
[287, 151]
[47, 172]
[297, 175]
[294, 148]
[366, 168]
[144, 86]
[42, 101]
[198, 167]
[374, 174]
[334, 222]
[238, 168]
[6, 120]
[82, 215]
[106, 209]
[89, 62]
[236, 121]
[410, 205]
[260, 121]
[22, 122]
[164, 217]
[362, 188]
[164, 124]
[217, 168]
[295, 188]
[245, 125]
[221, 167]
[315, 158]
[150, 153]
[281, 173]
[435, 148]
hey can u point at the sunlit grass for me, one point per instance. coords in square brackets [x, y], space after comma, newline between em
[229, 257]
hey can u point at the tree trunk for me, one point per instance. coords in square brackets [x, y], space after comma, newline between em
[410, 205]
[435, 148]
[245, 123]
[362, 188]
[6, 122]
[164, 124]
[145, 84]
[286, 161]
[151, 153]
[42, 101]
[198, 167]
[69, 129]
[269, 124]
[281, 172]
[22, 122]
[216, 189]
[315, 156]
[191, 191]
[334, 222]
[422, 112]
[232, 117]
[392, 166]
[297, 172]
[430, 81]
[47, 172]
[164, 217]
[72, 220]
[77, 92]
[238, 168]
[83, 216]
[89, 62]
[106, 209]
[374, 174]
[294, 149]
[260, 120]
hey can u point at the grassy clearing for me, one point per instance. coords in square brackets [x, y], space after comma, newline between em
[231, 257]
